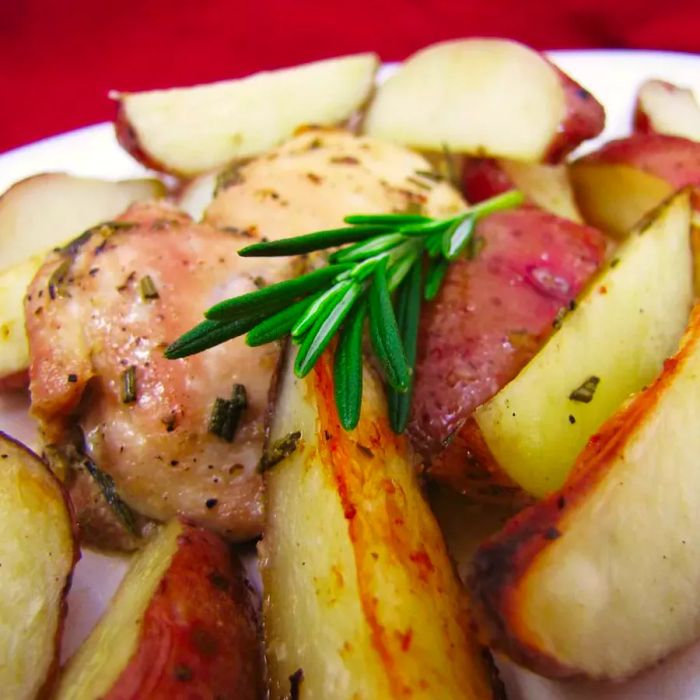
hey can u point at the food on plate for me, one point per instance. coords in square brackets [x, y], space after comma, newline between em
[37, 214]
[360, 598]
[46, 210]
[182, 624]
[320, 176]
[484, 97]
[545, 186]
[195, 195]
[38, 550]
[601, 578]
[491, 317]
[626, 178]
[611, 344]
[188, 131]
[14, 352]
[163, 437]
[664, 108]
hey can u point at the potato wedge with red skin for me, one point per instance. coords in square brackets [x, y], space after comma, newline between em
[664, 108]
[584, 118]
[618, 184]
[359, 591]
[602, 578]
[38, 551]
[182, 624]
[544, 186]
[188, 131]
[480, 96]
[491, 316]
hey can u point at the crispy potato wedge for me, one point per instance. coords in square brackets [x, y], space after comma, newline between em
[181, 624]
[191, 130]
[483, 97]
[602, 578]
[360, 597]
[545, 186]
[623, 327]
[624, 180]
[38, 550]
[48, 210]
[664, 108]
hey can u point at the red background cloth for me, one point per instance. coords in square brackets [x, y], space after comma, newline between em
[59, 58]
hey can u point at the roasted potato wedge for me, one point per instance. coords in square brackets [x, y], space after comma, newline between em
[360, 597]
[47, 210]
[38, 550]
[14, 350]
[664, 108]
[484, 97]
[181, 624]
[602, 578]
[612, 344]
[188, 131]
[492, 315]
[624, 180]
[545, 186]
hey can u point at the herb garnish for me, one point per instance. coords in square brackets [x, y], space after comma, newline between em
[386, 265]
[128, 385]
[585, 392]
[148, 288]
[226, 413]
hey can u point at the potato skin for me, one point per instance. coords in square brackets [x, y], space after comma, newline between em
[199, 637]
[492, 315]
[672, 158]
[584, 119]
[128, 139]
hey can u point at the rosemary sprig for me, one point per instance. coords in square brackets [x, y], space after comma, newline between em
[376, 257]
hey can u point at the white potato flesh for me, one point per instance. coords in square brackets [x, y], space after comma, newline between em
[668, 109]
[620, 588]
[195, 129]
[478, 96]
[38, 550]
[626, 323]
[50, 209]
[14, 281]
[359, 592]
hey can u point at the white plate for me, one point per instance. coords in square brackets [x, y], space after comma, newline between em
[613, 77]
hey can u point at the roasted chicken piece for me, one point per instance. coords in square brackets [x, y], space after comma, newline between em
[99, 315]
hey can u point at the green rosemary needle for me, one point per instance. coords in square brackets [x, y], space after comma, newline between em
[379, 269]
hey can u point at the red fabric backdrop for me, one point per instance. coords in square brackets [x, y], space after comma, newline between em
[59, 58]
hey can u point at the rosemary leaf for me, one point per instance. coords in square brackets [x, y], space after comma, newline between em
[400, 269]
[279, 324]
[319, 307]
[279, 450]
[436, 274]
[457, 237]
[207, 334]
[408, 305]
[507, 200]
[585, 392]
[318, 240]
[393, 219]
[279, 294]
[430, 227]
[433, 244]
[323, 331]
[347, 368]
[148, 288]
[128, 384]
[384, 333]
[366, 249]
[106, 485]
[226, 413]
